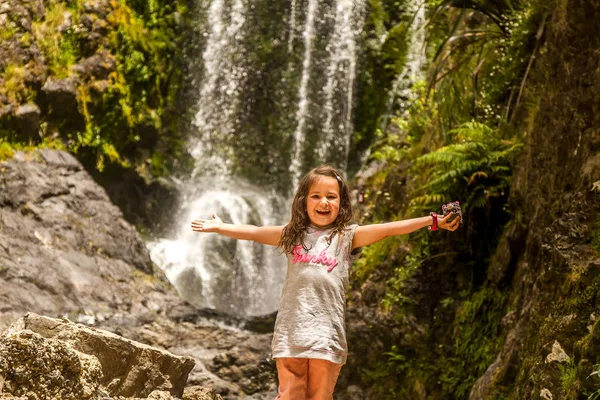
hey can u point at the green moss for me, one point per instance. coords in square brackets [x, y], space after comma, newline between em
[595, 234]
[14, 83]
[26, 39]
[568, 379]
[60, 50]
[476, 341]
[8, 31]
[8, 148]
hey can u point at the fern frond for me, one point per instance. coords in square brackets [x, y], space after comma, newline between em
[429, 199]
[476, 199]
[476, 175]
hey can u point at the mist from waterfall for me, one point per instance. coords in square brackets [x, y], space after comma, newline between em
[243, 277]
[209, 270]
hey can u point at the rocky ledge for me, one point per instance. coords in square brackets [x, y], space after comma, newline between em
[67, 252]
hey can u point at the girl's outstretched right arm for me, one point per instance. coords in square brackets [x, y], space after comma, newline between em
[262, 234]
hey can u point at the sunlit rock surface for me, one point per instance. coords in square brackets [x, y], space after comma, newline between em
[65, 250]
[58, 358]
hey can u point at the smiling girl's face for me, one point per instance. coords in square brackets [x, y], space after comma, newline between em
[323, 201]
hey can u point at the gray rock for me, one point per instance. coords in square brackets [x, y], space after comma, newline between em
[67, 23]
[65, 250]
[61, 96]
[27, 120]
[100, 65]
[34, 366]
[127, 368]
[557, 354]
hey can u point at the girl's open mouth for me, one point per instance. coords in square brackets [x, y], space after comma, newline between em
[323, 212]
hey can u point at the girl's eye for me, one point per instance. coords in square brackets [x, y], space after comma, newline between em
[331, 197]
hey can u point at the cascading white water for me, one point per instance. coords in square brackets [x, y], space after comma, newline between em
[309, 34]
[210, 270]
[292, 26]
[415, 63]
[242, 277]
[223, 71]
[340, 77]
[336, 129]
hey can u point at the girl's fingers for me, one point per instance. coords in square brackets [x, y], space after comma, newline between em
[198, 225]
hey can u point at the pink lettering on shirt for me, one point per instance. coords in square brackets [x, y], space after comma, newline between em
[322, 258]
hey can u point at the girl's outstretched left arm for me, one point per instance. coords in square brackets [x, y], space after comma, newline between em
[369, 234]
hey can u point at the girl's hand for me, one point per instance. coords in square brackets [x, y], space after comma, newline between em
[444, 222]
[207, 225]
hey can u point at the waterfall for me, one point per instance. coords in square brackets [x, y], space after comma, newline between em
[223, 71]
[292, 27]
[415, 64]
[309, 33]
[340, 76]
[210, 270]
[336, 129]
[243, 277]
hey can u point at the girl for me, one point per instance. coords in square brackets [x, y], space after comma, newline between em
[309, 342]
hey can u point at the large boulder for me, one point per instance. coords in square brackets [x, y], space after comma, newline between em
[73, 361]
[65, 249]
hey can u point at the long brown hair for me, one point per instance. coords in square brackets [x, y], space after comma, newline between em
[293, 233]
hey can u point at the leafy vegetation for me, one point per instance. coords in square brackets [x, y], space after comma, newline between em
[128, 99]
[13, 83]
[454, 141]
[596, 375]
[59, 49]
[476, 167]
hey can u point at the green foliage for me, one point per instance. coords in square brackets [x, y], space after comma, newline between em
[419, 253]
[13, 83]
[373, 256]
[568, 377]
[8, 31]
[596, 237]
[595, 375]
[8, 148]
[476, 167]
[476, 341]
[59, 49]
[386, 38]
[479, 59]
[126, 123]
[127, 117]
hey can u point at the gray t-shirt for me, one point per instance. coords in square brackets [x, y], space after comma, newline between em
[310, 322]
